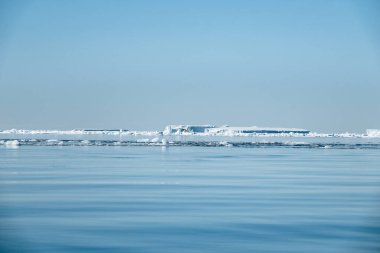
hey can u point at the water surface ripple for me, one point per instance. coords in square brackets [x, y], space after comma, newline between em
[188, 199]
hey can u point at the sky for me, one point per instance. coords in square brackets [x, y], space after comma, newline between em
[141, 65]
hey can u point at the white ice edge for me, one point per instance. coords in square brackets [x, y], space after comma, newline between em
[79, 132]
[373, 133]
[220, 131]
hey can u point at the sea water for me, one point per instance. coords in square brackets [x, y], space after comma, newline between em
[89, 198]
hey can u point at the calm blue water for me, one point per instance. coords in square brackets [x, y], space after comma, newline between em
[189, 199]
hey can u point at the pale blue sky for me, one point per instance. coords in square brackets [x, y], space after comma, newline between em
[145, 64]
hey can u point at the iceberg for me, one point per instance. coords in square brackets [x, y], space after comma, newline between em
[155, 140]
[13, 143]
[189, 130]
[228, 130]
[164, 142]
[80, 132]
[373, 133]
[186, 129]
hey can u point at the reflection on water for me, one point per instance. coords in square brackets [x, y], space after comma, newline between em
[188, 199]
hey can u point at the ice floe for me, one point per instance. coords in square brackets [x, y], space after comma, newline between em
[79, 132]
[186, 129]
[11, 144]
[374, 133]
[198, 130]
[195, 143]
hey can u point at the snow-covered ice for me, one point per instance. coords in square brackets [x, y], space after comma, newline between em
[164, 142]
[13, 143]
[227, 130]
[197, 130]
[374, 133]
[186, 129]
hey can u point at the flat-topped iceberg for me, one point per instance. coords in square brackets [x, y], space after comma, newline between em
[256, 130]
[375, 133]
[228, 130]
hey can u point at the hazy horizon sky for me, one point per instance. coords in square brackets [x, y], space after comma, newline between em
[145, 64]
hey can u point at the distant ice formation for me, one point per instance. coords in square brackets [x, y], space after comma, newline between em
[81, 132]
[374, 133]
[12, 144]
[198, 130]
[186, 129]
[164, 143]
[228, 130]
